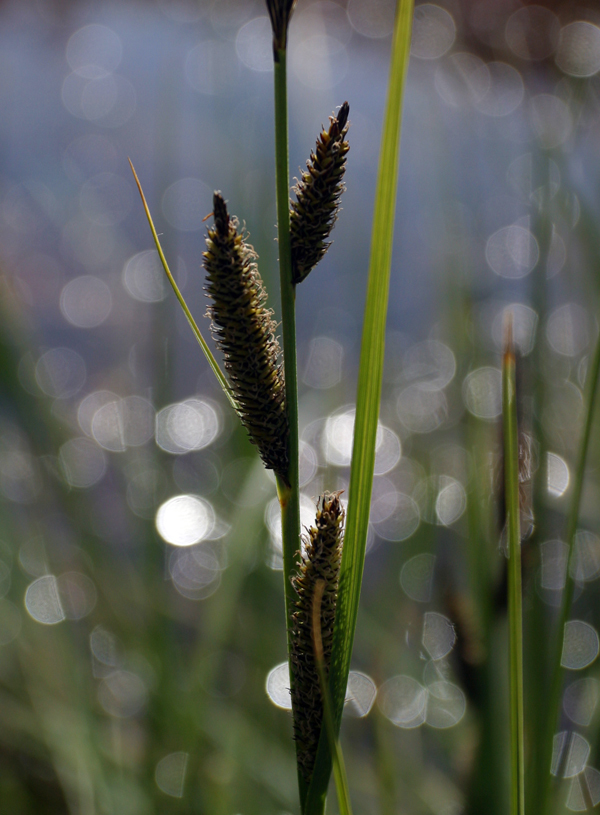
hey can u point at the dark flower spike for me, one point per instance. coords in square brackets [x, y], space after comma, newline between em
[280, 12]
[320, 562]
[318, 191]
[244, 330]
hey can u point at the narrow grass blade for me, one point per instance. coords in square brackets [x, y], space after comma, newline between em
[339, 768]
[567, 598]
[197, 333]
[515, 605]
[368, 398]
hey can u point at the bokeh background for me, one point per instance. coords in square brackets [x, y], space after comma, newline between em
[142, 638]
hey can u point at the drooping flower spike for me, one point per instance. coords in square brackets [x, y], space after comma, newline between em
[244, 330]
[318, 192]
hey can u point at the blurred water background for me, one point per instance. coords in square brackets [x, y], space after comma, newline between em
[142, 639]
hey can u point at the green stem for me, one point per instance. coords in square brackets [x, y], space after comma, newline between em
[567, 597]
[289, 493]
[515, 606]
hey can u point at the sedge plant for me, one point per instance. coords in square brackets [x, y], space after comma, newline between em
[322, 577]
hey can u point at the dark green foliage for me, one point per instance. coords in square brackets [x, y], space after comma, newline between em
[314, 212]
[321, 561]
[245, 331]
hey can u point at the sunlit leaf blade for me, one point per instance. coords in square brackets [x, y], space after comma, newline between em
[368, 398]
[197, 333]
[515, 604]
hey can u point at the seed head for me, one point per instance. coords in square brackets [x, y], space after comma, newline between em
[320, 562]
[280, 12]
[318, 191]
[244, 329]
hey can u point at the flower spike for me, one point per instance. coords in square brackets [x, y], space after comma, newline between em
[244, 330]
[318, 191]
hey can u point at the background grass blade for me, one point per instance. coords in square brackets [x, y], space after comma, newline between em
[567, 598]
[515, 605]
[197, 333]
[368, 396]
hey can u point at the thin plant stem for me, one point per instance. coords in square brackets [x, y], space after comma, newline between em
[368, 397]
[197, 333]
[339, 768]
[567, 596]
[288, 491]
[515, 603]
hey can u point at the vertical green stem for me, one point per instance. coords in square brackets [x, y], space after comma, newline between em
[567, 598]
[515, 608]
[289, 494]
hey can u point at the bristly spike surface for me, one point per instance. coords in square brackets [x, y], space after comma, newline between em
[321, 560]
[318, 192]
[244, 330]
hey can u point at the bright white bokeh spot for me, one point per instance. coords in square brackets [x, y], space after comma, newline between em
[144, 277]
[254, 44]
[94, 51]
[86, 301]
[170, 774]
[185, 204]
[88, 407]
[338, 436]
[581, 699]
[416, 577]
[186, 426]
[372, 18]
[577, 800]
[505, 92]
[512, 252]
[42, 601]
[558, 475]
[567, 329]
[482, 393]
[439, 635]
[184, 520]
[446, 705]
[388, 451]
[83, 462]
[60, 373]
[403, 701]
[360, 695]
[308, 464]
[580, 645]
[578, 52]
[433, 32]
[10, 622]
[570, 752]
[212, 68]
[122, 694]
[278, 686]
[524, 322]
